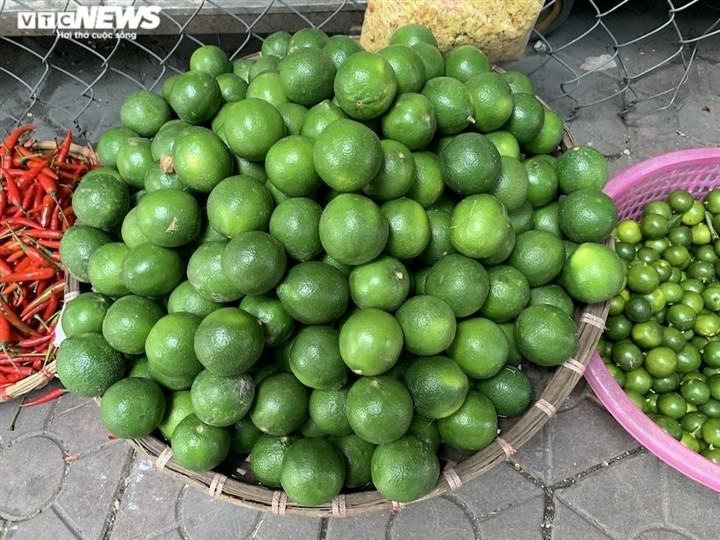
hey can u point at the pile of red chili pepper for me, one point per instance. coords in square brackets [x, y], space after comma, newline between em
[35, 209]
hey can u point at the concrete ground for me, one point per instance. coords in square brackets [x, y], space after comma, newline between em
[581, 476]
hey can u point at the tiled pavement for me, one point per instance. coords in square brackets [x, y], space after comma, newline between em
[581, 477]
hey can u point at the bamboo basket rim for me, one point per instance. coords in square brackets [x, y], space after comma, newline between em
[47, 373]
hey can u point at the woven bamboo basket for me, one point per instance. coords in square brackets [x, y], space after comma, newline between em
[72, 287]
[234, 483]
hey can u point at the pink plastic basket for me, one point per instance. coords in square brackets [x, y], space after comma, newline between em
[697, 170]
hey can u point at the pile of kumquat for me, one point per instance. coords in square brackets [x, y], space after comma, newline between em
[35, 208]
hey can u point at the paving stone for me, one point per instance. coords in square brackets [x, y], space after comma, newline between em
[709, 76]
[90, 487]
[39, 527]
[272, 527]
[519, 522]
[583, 437]
[568, 525]
[436, 518]
[8, 413]
[364, 527]
[499, 488]
[659, 533]
[36, 417]
[576, 396]
[601, 127]
[203, 517]
[699, 118]
[691, 506]
[173, 534]
[147, 489]
[32, 471]
[658, 134]
[533, 456]
[77, 422]
[622, 498]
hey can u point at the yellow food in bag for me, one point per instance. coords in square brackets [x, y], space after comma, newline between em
[500, 28]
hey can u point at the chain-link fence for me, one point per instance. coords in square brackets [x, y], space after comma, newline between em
[641, 52]
[635, 52]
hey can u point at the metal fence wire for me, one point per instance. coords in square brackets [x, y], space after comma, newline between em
[643, 52]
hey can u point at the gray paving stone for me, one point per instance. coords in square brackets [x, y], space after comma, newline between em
[147, 489]
[657, 134]
[77, 422]
[568, 525]
[691, 506]
[708, 76]
[659, 533]
[173, 534]
[32, 471]
[533, 456]
[436, 518]
[601, 127]
[583, 437]
[35, 418]
[365, 527]
[494, 491]
[699, 118]
[8, 415]
[521, 522]
[622, 498]
[90, 487]
[39, 527]
[272, 527]
[203, 517]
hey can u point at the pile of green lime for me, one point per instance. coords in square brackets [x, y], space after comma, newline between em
[662, 343]
[332, 260]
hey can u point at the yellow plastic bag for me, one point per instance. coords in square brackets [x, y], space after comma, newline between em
[500, 28]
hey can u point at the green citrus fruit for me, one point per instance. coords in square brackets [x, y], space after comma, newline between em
[428, 324]
[404, 470]
[379, 409]
[87, 365]
[371, 341]
[228, 341]
[545, 335]
[198, 446]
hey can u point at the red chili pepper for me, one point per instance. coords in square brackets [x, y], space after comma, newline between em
[50, 244]
[44, 398]
[19, 370]
[33, 342]
[3, 200]
[23, 265]
[14, 137]
[45, 234]
[13, 192]
[49, 172]
[48, 184]
[65, 147]
[17, 254]
[9, 289]
[21, 221]
[28, 196]
[51, 307]
[4, 331]
[31, 174]
[29, 275]
[5, 268]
